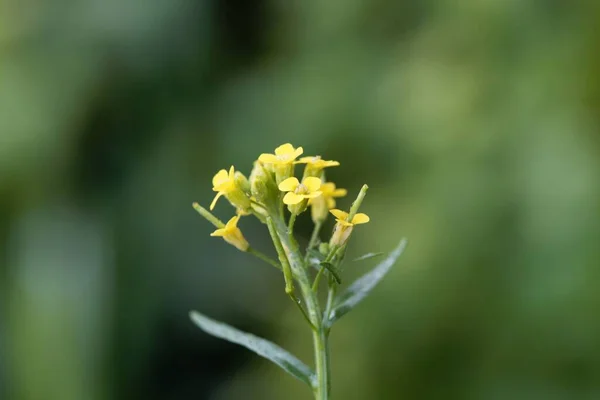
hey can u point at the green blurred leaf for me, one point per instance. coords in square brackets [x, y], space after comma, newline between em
[363, 285]
[260, 346]
[367, 256]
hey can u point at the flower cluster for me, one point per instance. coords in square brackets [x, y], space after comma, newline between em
[270, 188]
[276, 197]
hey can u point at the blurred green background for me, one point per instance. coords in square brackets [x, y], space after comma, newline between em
[475, 123]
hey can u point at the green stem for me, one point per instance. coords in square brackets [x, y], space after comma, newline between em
[321, 346]
[314, 238]
[320, 333]
[315, 284]
[287, 271]
[208, 216]
[291, 225]
[264, 257]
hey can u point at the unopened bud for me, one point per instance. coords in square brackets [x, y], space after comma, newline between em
[239, 199]
[318, 209]
[324, 248]
[242, 182]
[283, 171]
[262, 185]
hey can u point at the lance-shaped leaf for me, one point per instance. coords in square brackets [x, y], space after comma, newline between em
[367, 256]
[260, 346]
[363, 285]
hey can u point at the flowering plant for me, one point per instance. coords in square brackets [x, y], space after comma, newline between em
[271, 187]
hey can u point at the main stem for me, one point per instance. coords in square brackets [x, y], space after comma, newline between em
[321, 346]
[320, 331]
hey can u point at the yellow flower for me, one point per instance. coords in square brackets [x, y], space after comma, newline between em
[314, 165]
[282, 162]
[317, 162]
[321, 205]
[227, 184]
[297, 192]
[330, 193]
[284, 154]
[341, 217]
[343, 228]
[232, 234]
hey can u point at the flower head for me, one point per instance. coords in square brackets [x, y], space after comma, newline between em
[296, 191]
[228, 184]
[321, 205]
[284, 154]
[232, 234]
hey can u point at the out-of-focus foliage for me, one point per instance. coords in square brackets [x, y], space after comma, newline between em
[474, 123]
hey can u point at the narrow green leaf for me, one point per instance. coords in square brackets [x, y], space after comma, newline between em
[367, 256]
[356, 292]
[260, 346]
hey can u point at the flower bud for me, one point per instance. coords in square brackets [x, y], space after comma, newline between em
[283, 171]
[242, 182]
[318, 209]
[239, 199]
[324, 248]
[262, 185]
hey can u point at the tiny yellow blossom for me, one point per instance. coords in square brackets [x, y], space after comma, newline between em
[284, 154]
[315, 164]
[227, 184]
[321, 205]
[232, 234]
[343, 228]
[341, 216]
[296, 191]
[282, 162]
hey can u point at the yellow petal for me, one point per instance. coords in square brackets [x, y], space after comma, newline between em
[219, 232]
[327, 188]
[284, 149]
[214, 202]
[339, 193]
[360, 218]
[231, 173]
[267, 158]
[312, 195]
[305, 160]
[330, 203]
[220, 177]
[344, 223]
[331, 163]
[232, 223]
[339, 214]
[313, 184]
[292, 198]
[289, 184]
[298, 152]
